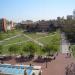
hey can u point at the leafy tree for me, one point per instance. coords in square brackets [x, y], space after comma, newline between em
[50, 49]
[73, 50]
[30, 48]
[13, 49]
[26, 50]
[47, 49]
[1, 48]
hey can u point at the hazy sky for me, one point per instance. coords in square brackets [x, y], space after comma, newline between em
[18, 10]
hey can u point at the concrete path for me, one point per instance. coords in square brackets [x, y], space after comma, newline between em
[10, 38]
[64, 44]
[31, 39]
[57, 67]
[36, 40]
[17, 43]
[44, 37]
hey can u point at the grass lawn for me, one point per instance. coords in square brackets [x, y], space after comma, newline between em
[50, 39]
[9, 34]
[15, 40]
[42, 38]
[36, 35]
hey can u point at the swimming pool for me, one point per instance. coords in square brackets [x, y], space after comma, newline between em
[15, 69]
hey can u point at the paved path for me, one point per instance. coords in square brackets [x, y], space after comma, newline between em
[57, 66]
[31, 39]
[44, 37]
[64, 44]
[10, 38]
[17, 43]
[36, 40]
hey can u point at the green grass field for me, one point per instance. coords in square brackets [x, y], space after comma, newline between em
[8, 34]
[36, 35]
[45, 39]
[15, 40]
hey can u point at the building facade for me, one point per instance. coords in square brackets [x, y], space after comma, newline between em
[40, 26]
[69, 17]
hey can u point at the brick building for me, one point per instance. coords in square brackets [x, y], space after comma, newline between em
[41, 26]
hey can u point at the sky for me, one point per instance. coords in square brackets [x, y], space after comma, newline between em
[18, 10]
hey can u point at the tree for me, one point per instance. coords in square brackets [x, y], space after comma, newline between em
[26, 50]
[13, 49]
[73, 50]
[50, 49]
[1, 48]
[47, 49]
[30, 48]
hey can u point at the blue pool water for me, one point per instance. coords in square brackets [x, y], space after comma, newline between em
[14, 70]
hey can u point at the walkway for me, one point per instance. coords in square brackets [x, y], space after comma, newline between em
[57, 67]
[18, 43]
[64, 44]
[35, 41]
[30, 39]
[10, 38]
